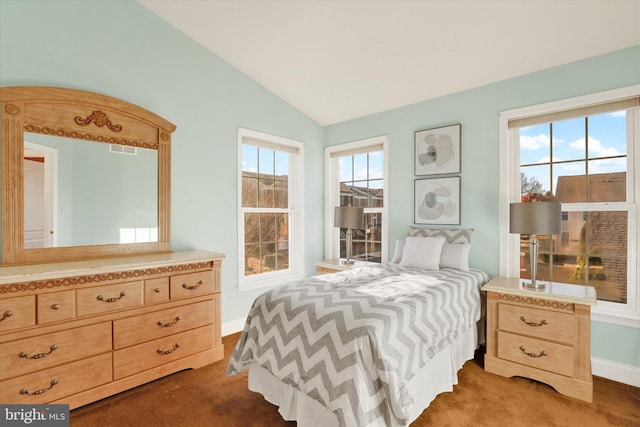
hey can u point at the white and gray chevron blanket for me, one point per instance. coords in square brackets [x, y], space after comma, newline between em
[352, 340]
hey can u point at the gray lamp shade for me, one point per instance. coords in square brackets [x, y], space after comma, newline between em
[349, 217]
[535, 218]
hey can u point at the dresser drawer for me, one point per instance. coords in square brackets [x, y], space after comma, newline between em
[17, 312]
[549, 356]
[134, 330]
[192, 284]
[103, 299]
[56, 306]
[139, 358]
[544, 324]
[156, 290]
[41, 352]
[57, 382]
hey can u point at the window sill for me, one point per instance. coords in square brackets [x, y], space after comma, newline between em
[631, 319]
[268, 280]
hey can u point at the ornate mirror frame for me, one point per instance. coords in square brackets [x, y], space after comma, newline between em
[79, 115]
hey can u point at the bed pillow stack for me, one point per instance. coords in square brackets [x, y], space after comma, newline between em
[453, 254]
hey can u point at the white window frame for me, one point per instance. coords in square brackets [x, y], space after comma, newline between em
[332, 190]
[296, 208]
[509, 191]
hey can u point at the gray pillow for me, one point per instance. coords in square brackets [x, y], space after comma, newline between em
[462, 235]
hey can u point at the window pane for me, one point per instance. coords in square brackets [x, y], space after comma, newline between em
[608, 134]
[568, 140]
[251, 228]
[534, 144]
[534, 182]
[376, 193]
[570, 182]
[249, 190]
[249, 158]
[266, 161]
[252, 264]
[360, 194]
[267, 228]
[360, 167]
[376, 164]
[266, 191]
[281, 193]
[346, 168]
[607, 187]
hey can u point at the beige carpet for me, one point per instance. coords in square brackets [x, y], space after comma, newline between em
[206, 397]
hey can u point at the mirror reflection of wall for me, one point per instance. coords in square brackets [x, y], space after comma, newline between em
[98, 196]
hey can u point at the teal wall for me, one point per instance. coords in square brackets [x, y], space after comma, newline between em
[477, 110]
[121, 49]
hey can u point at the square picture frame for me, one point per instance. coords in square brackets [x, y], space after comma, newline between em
[437, 201]
[437, 150]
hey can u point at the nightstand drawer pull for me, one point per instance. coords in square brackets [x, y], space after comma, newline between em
[165, 352]
[42, 390]
[170, 324]
[535, 325]
[23, 354]
[100, 298]
[192, 288]
[542, 353]
[5, 315]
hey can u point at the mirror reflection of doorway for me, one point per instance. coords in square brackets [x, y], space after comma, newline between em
[40, 171]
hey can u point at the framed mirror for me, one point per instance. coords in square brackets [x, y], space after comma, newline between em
[84, 176]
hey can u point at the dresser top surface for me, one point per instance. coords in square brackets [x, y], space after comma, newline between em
[23, 273]
[577, 294]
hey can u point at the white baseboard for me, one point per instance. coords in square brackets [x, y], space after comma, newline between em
[232, 327]
[625, 374]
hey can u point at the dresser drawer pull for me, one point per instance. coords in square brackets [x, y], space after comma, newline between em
[170, 324]
[100, 298]
[55, 306]
[163, 352]
[192, 288]
[534, 324]
[6, 314]
[542, 353]
[42, 390]
[23, 354]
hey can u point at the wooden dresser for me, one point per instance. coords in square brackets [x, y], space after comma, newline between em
[76, 332]
[541, 334]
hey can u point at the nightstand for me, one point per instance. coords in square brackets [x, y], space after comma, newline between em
[543, 334]
[334, 265]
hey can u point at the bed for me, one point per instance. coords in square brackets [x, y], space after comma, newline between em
[365, 347]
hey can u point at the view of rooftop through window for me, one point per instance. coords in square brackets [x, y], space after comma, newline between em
[361, 184]
[582, 163]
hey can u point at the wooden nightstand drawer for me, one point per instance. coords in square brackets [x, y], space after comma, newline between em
[103, 299]
[136, 359]
[134, 330]
[538, 323]
[549, 356]
[44, 351]
[58, 382]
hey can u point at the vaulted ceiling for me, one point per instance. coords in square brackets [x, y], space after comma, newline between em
[339, 60]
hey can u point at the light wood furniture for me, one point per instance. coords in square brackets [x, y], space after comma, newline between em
[76, 332]
[81, 116]
[541, 334]
[334, 265]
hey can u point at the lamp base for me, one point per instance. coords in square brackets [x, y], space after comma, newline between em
[347, 261]
[537, 285]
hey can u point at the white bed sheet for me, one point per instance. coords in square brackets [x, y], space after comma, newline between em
[439, 375]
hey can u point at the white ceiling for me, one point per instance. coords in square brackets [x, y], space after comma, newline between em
[339, 60]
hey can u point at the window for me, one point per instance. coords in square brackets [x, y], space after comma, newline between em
[581, 156]
[270, 224]
[356, 177]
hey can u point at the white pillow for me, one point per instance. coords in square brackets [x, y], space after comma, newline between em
[455, 255]
[397, 255]
[423, 252]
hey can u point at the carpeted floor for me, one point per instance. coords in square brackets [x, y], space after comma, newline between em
[206, 397]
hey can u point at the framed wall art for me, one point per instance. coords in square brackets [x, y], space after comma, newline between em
[437, 150]
[437, 201]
